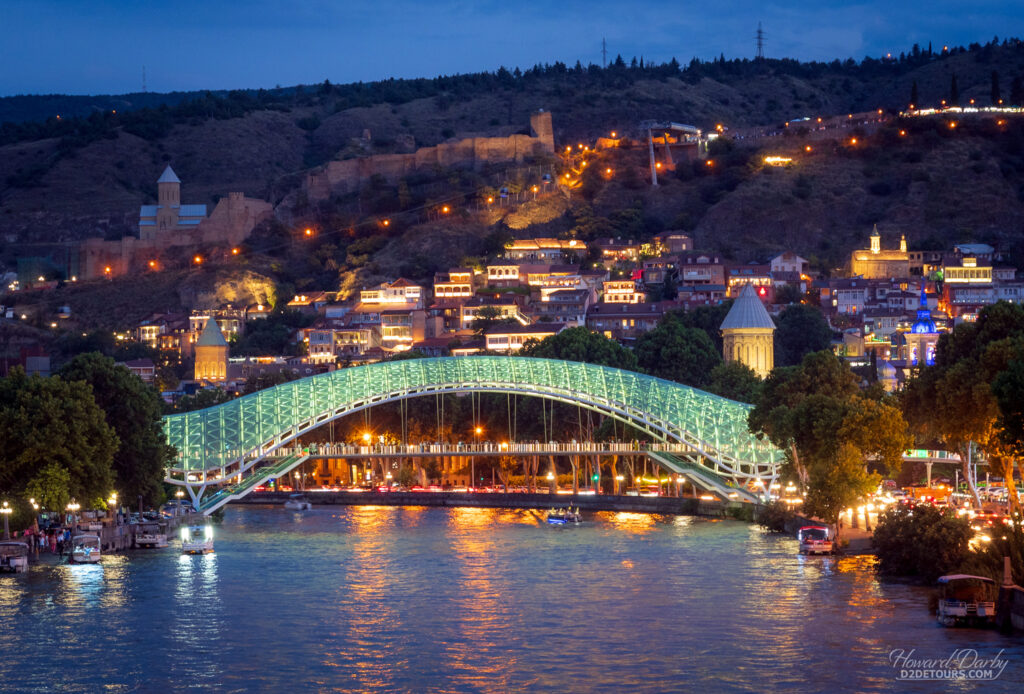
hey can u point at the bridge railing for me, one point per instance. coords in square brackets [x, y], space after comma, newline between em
[484, 447]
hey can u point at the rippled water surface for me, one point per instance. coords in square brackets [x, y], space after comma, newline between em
[417, 599]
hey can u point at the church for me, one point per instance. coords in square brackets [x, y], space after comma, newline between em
[168, 214]
[875, 264]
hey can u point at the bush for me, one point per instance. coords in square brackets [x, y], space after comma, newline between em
[774, 516]
[922, 542]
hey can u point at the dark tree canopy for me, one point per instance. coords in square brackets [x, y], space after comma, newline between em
[53, 432]
[678, 353]
[133, 410]
[800, 330]
[736, 381]
[581, 344]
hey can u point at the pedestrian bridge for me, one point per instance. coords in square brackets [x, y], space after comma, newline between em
[220, 446]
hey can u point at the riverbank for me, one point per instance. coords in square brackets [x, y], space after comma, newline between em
[666, 505]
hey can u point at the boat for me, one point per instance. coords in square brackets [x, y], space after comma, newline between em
[966, 599]
[13, 557]
[86, 549]
[564, 516]
[197, 539]
[814, 539]
[298, 502]
[149, 535]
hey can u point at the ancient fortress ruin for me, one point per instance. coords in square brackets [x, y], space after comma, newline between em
[348, 175]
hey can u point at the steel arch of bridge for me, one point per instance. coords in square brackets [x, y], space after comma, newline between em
[225, 441]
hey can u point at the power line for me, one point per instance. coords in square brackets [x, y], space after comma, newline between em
[760, 42]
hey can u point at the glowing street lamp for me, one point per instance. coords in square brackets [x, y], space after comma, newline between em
[6, 510]
[308, 232]
[235, 251]
[198, 260]
[73, 507]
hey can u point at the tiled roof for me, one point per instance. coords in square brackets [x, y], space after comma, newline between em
[168, 176]
[747, 312]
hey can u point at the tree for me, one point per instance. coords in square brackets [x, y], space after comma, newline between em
[829, 431]
[954, 91]
[913, 94]
[51, 487]
[707, 318]
[1017, 91]
[487, 317]
[996, 93]
[208, 397]
[584, 345]
[953, 402]
[922, 541]
[133, 410]
[800, 330]
[47, 421]
[736, 381]
[677, 353]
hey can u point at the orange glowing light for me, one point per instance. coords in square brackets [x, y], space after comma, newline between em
[903, 133]
[308, 232]
[568, 149]
[198, 260]
[534, 189]
[614, 134]
[567, 175]
[807, 148]
[710, 162]
[152, 263]
[879, 111]
[853, 141]
[234, 251]
[445, 209]
[658, 165]
[490, 200]
[386, 222]
[972, 101]
[608, 171]
[911, 106]
[106, 270]
[819, 119]
[952, 124]
[850, 116]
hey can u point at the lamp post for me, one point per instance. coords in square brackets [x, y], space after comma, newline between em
[177, 509]
[6, 510]
[73, 509]
[472, 460]
[618, 483]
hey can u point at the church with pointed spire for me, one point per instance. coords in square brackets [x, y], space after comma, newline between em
[876, 264]
[168, 215]
[748, 333]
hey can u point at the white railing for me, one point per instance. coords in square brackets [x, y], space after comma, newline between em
[484, 447]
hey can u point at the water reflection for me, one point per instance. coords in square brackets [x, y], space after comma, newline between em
[392, 599]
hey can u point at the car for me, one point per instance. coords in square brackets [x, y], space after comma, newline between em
[261, 488]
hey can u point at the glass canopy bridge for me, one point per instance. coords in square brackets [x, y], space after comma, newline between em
[222, 448]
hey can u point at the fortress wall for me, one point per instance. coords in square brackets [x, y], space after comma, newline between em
[347, 175]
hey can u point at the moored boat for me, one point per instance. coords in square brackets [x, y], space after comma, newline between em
[150, 535]
[13, 557]
[966, 599]
[86, 549]
[814, 539]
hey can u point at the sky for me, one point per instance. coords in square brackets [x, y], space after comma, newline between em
[101, 46]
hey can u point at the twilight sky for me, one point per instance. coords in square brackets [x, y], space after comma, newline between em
[101, 46]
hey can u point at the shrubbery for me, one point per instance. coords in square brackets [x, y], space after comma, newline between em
[922, 542]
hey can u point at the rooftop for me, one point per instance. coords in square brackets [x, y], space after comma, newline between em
[747, 312]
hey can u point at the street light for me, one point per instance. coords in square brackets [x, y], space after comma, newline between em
[472, 460]
[73, 507]
[6, 510]
[113, 502]
[177, 509]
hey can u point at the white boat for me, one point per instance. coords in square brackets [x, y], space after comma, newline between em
[298, 502]
[814, 539]
[86, 549]
[13, 557]
[149, 535]
[197, 539]
[966, 599]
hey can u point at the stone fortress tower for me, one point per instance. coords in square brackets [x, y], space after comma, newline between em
[211, 354]
[748, 333]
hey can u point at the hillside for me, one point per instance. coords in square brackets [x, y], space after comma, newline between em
[936, 184]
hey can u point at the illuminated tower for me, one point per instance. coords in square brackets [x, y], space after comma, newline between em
[923, 336]
[211, 354]
[876, 240]
[748, 333]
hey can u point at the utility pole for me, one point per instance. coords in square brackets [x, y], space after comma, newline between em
[760, 42]
[604, 54]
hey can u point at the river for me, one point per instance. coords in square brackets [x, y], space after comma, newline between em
[474, 600]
